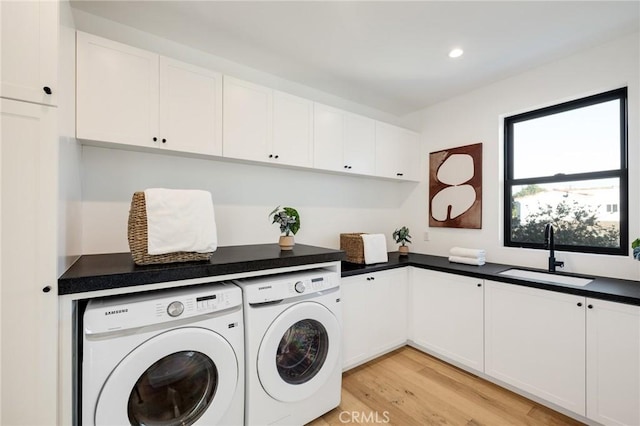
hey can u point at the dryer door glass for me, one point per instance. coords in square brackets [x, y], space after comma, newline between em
[302, 351]
[176, 390]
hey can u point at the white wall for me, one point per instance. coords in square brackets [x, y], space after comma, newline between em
[476, 117]
[243, 196]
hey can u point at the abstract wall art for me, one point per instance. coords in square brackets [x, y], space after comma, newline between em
[455, 187]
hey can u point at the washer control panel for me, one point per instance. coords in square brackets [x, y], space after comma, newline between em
[132, 311]
[285, 286]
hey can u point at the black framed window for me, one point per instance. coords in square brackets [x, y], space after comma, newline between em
[567, 165]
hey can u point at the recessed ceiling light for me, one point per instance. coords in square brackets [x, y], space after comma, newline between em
[456, 53]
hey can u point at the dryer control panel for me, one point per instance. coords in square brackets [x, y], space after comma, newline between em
[111, 314]
[286, 286]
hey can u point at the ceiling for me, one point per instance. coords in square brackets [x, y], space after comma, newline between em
[389, 55]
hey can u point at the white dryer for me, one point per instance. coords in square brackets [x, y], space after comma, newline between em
[293, 335]
[169, 357]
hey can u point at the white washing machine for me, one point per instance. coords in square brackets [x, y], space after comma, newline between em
[293, 334]
[170, 357]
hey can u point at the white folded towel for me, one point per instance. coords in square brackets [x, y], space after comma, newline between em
[180, 220]
[467, 252]
[375, 248]
[467, 260]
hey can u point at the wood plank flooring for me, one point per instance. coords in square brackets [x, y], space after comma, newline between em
[407, 387]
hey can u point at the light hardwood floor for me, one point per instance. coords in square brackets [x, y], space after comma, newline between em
[408, 387]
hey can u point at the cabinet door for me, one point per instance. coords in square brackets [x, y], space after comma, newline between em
[190, 108]
[292, 130]
[535, 341]
[355, 327]
[29, 50]
[613, 363]
[29, 320]
[328, 138]
[397, 152]
[248, 117]
[374, 315]
[447, 314]
[117, 92]
[387, 309]
[359, 149]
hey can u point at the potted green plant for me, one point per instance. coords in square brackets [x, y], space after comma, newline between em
[635, 245]
[289, 221]
[401, 236]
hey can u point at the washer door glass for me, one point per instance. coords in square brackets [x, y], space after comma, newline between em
[302, 351]
[299, 352]
[176, 390]
[175, 378]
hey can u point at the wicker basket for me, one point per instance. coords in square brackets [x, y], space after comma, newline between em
[354, 247]
[138, 243]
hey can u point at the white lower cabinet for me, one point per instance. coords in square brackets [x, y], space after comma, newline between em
[613, 362]
[374, 315]
[447, 314]
[535, 341]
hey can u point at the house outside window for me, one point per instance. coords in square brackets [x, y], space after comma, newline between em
[567, 165]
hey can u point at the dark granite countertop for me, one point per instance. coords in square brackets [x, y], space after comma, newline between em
[616, 290]
[117, 270]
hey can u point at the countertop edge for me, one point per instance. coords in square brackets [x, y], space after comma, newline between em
[604, 288]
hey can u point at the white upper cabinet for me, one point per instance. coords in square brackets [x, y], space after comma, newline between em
[134, 97]
[343, 141]
[261, 124]
[613, 363]
[29, 33]
[397, 152]
[248, 117]
[190, 108]
[292, 130]
[117, 92]
[535, 341]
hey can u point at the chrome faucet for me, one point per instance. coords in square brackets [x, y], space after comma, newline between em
[550, 245]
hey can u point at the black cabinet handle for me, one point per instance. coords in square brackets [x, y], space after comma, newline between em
[399, 174]
[275, 157]
[349, 167]
[164, 140]
[590, 306]
[155, 139]
[270, 155]
[579, 303]
[479, 285]
[47, 90]
[47, 289]
[346, 167]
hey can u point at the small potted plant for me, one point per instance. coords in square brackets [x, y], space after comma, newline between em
[635, 245]
[401, 236]
[289, 221]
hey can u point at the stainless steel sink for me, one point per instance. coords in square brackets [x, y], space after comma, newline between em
[546, 277]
